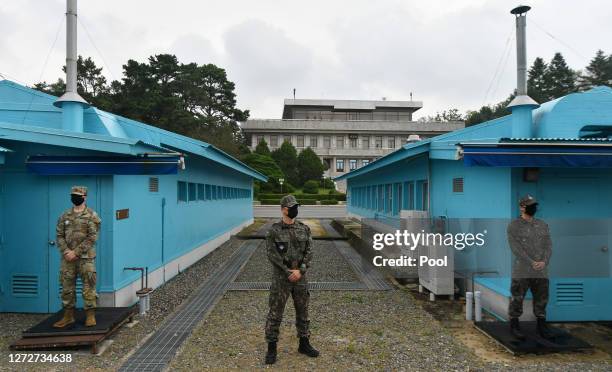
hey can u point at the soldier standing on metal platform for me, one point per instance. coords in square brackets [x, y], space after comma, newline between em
[77, 232]
[530, 242]
[289, 247]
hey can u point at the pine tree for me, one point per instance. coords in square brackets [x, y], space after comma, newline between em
[598, 72]
[536, 84]
[560, 80]
[286, 158]
[262, 148]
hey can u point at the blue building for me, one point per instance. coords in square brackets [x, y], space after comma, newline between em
[165, 200]
[561, 153]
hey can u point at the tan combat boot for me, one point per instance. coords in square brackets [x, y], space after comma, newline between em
[66, 320]
[90, 321]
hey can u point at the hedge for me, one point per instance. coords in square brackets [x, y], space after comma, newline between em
[338, 196]
[329, 202]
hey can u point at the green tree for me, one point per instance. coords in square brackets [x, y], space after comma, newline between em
[267, 166]
[536, 82]
[560, 80]
[286, 158]
[598, 72]
[262, 148]
[488, 112]
[309, 166]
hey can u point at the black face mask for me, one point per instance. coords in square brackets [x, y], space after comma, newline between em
[531, 209]
[77, 199]
[292, 212]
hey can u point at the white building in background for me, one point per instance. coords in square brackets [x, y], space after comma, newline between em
[346, 134]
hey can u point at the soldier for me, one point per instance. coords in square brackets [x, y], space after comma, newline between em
[530, 242]
[289, 247]
[77, 232]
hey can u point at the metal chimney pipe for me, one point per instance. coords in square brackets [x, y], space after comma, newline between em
[71, 46]
[521, 54]
[71, 103]
[522, 104]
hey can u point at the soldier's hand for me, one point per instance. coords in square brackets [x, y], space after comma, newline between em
[295, 275]
[70, 256]
[538, 265]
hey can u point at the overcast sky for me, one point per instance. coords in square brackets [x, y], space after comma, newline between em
[445, 52]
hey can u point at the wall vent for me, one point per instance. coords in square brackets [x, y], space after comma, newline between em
[24, 285]
[570, 293]
[458, 184]
[153, 184]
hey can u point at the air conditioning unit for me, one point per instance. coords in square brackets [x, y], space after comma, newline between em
[439, 280]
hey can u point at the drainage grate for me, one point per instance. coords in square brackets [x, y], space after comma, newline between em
[367, 273]
[158, 350]
[315, 286]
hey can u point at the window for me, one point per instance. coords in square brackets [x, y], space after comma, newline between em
[352, 164]
[327, 142]
[365, 162]
[378, 142]
[201, 195]
[425, 195]
[391, 142]
[192, 191]
[260, 139]
[339, 142]
[182, 191]
[208, 192]
[339, 165]
[365, 142]
[313, 141]
[389, 207]
[400, 198]
[353, 143]
[274, 140]
[409, 199]
[458, 184]
[381, 198]
[300, 140]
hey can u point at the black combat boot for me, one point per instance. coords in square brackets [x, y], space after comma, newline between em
[543, 329]
[515, 329]
[271, 354]
[306, 348]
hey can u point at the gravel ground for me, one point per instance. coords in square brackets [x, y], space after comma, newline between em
[328, 265]
[381, 331]
[163, 301]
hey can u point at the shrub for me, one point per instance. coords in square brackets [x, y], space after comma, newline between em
[311, 187]
[329, 202]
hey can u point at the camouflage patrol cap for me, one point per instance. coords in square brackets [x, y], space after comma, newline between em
[79, 190]
[288, 201]
[527, 200]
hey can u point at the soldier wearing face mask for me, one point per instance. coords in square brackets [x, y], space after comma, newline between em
[529, 240]
[77, 231]
[289, 248]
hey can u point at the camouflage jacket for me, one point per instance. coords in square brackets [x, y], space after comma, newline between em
[78, 232]
[530, 242]
[289, 246]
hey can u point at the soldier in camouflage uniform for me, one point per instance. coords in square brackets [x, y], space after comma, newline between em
[77, 231]
[530, 242]
[289, 248]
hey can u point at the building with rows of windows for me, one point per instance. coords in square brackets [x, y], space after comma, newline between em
[346, 134]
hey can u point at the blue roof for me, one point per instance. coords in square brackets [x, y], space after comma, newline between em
[29, 115]
[561, 119]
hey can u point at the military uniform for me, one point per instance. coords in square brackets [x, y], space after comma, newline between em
[78, 232]
[530, 242]
[289, 246]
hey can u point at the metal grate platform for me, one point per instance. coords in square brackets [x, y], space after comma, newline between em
[367, 273]
[315, 286]
[160, 348]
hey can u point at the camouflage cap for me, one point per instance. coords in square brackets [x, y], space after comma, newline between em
[288, 201]
[79, 190]
[527, 200]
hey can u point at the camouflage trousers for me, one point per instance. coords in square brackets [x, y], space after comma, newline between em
[518, 289]
[279, 293]
[86, 269]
